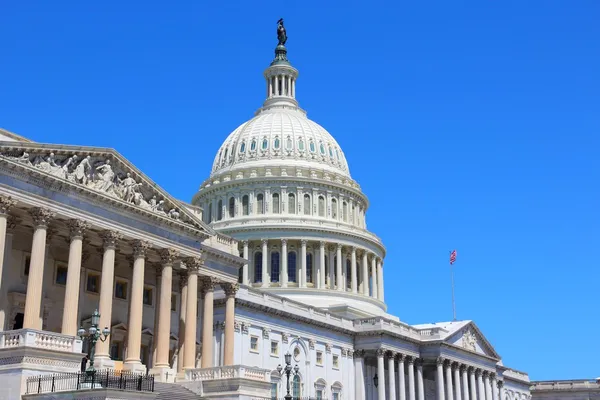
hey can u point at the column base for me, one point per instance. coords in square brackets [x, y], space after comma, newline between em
[103, 362]
[135, 366]
[163, 374]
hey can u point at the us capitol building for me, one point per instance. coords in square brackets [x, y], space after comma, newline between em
[272, 256]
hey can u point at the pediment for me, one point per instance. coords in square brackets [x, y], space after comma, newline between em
[470, 338]
[104, 173]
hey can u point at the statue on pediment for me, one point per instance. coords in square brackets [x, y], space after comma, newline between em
[49, 165]
[24, 159]
[173, 213]
[128, 188]
[82, 171]
[469, 340]
[105, 178]
[69, 165]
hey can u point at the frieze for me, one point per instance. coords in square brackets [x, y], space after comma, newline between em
[469, 340]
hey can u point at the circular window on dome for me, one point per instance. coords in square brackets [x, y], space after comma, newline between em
[265, 144]
[312, 146]
[301, 145]
[253, 145]
[243, 147]
[289, 145]
[276, 143]
[322, 149]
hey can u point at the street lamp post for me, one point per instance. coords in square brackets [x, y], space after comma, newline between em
[287, 370]
[93, 334]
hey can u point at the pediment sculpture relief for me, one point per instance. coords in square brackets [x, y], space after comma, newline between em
[469, 340]
[98, 174]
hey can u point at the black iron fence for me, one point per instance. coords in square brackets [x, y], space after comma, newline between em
[108, 379]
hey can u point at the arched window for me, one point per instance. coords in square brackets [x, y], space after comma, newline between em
[353, 215]
[309, 268]
[265, 144]
[220, 210]
[330, 152]
[301, 145]
[276, 143]
[253, 145]
[260, 204]
[231, 207]
[258, 267]
[306, 204]
[312, 146]
[334, 209]
[245, 208]
[296, 387]
[276, 204]
[345, 212]
[275, 266]
[322, 149]
[291, 203]
[348, 274]
[292, 266]
[225, 156]
[210, 214]
[321, 206]
[289, 145]
[243, 147]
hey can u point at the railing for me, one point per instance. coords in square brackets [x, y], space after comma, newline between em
[100, 379]
[40, 339]
[566, 385]
[228, 372]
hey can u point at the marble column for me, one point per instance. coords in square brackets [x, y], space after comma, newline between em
[208, 321]
[401, 378]
[302, 274]
[374, 289]
[380, 280]
[339, 279]
[487, 385]
[365, 274]
[284, 263]
[182, 317]
[332, 268]
[110, 239]
[354, 281]
[168, 257]
[472, 384]
[440, 378]
[191, 313]
[245, 276]
[411, 378]
[501, 390]
[381, 373]
[456, 370]
[321, 273]
[359, 375]
[33, 301]
[420, 383]
[392, 375]
[136, 308]
[465, 382]
[69, 321]
[230, 291]
[265, 264]
[480, 387]
[494, 387]
[6, 203]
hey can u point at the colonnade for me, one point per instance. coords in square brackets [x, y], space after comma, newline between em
[458, 381]
[312, 264]
[281, 85]
[189, 279]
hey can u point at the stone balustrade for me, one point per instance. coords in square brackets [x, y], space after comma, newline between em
[566, 385]
[40, 340]
[228, 372]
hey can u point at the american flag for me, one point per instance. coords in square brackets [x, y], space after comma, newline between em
[452, 257]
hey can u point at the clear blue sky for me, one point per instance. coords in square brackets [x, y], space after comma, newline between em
[470, 125]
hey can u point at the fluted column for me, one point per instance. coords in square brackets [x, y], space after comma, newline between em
[465, 382]
[332, 269]
[359, 375]
[6, 203]
[456, 370]
[182, 316]
[191, 311]
[487, 385]
[302, 279]
[230, 291]
[340, 284]
[168, 257]
[472, 384]
[411, 378]
[321, 272]
[401, 378]
[265, 264]
[365, 274]
[381, 374]
[480, 387]
[69, 321]
[392, 375]
[208, 321]
[284, 263]
[380, 280]
[110, 239]
[354, 281]
[440, 378]
[136, 308]
[33, 300]
[494, 387]
[245, 276]
[374, 289]
[420, 383]
[501, 390]
[448, 371]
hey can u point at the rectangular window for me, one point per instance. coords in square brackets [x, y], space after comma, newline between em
[148, 296]
[115, 350]
[319, 358]
[254, 344]
[93, 283]
[274, 348]
[336, 396]
[61, 275]
[319, 394]
[174, 302]
[336, 361]
[273, 390]
[26, 262]
[121, 290]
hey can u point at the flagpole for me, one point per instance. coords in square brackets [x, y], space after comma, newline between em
[452, 283]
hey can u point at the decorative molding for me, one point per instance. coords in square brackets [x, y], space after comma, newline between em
[12, 222]
[311, 344]
[245, 328]
[265, 332]
[285, 337]
[237, 326]
[328, 347]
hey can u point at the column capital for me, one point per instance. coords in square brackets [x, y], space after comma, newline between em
[12, 222]
[440, 361]
[231, 289]
[400, 357]
[322, 244]
[41, 216]
[194, 264]
[209, 283]
[419, 362]
[140, 248]
[391, 354]
[77, 227]
[381, 352]
[339, 247]
[455, 365]
[478, 372]
[6, 203]
[485, 374]
[168, 256]
[303, 242]
[353, 250]
[110, 238]
[284, 242]
[410, 359]
[244, 242]
[470, 369]
[500, 384]
[359, 353]
[492, 375]
[463, 368]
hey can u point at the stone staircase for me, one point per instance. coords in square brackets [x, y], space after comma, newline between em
[173, 391]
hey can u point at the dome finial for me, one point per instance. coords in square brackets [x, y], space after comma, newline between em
[280, 50]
